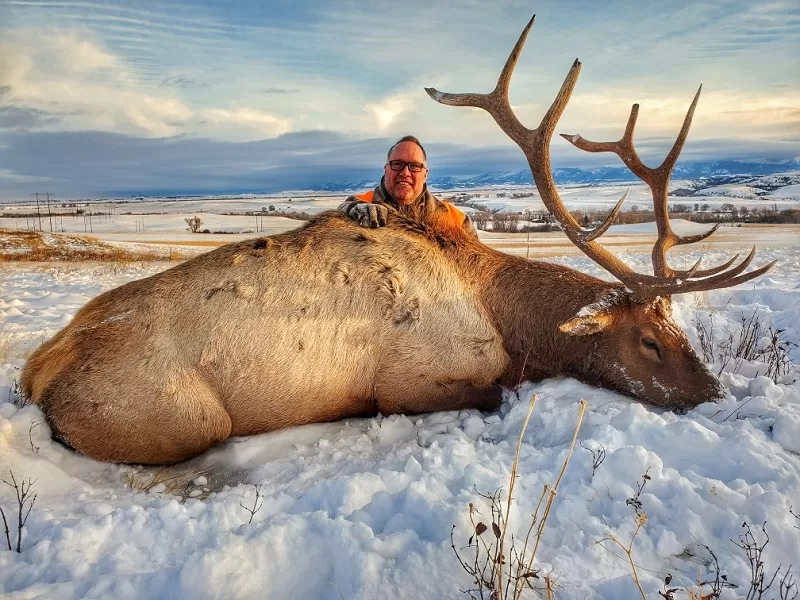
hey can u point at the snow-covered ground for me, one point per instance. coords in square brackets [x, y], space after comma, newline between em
[140, 219]
[787, 191]
[364, 508]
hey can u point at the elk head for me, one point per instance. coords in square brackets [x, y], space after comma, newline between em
[635, 347]
[627, 339]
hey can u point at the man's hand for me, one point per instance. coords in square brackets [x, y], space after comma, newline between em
[366, 213]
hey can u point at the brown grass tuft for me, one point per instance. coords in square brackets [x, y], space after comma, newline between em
[34, 246]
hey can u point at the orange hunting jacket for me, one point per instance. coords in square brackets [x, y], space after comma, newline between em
[427, 208]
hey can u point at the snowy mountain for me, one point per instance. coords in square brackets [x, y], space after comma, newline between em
[731, 171]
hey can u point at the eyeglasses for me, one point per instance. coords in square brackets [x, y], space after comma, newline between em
[399, 165]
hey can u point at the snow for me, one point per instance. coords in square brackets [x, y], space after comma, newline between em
[787, 192]
[732, 190]
[363, 508]
[679, 226]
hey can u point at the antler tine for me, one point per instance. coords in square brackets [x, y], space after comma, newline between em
[717, 269]
[692, 272]
[496, 102]
[659, 285]
[595, 233]
[504, 80]
[691, 239]
[623, 147]
[669, 162]
[696, 273]
[727, 279]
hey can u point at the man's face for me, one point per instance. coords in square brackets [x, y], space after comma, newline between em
[404, 186]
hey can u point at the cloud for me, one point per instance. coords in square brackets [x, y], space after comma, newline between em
[214, 82]
[389, 110]
[100, 164]
[719, 113]
[82, 86]
[15, 117]
[278, 90]
[181, 82]
[263, 122]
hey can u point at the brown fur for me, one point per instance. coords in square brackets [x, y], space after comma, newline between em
[333, 320]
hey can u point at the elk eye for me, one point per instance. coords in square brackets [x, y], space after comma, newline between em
[650, 344]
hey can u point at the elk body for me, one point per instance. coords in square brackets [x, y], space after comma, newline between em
[333, 320]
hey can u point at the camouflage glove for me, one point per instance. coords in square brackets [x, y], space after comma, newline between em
[366, 213]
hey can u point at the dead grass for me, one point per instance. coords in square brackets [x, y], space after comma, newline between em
[501, 570]
[30, 246]
[14, 347]
[163, 480]
[203, 243]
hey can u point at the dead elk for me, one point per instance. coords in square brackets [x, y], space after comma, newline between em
[332, 320]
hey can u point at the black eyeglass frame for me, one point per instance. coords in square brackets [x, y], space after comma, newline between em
[413, 166]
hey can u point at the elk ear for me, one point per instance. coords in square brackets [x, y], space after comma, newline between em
[587, 324]
[597, 316]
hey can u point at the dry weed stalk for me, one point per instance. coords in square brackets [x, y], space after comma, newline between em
[487, 567]
[24, 501]
[598, 456]
[641, 519]
[257, 504]
[34, 424]
[787, 585]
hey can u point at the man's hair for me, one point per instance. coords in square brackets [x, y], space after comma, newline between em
[406, 138]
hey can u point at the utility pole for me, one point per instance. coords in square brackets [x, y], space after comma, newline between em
[49, 214]
[38, 212]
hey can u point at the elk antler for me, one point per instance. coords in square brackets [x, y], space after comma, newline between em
[535, 144]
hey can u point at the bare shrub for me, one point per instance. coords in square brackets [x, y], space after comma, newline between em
[755, 339]
[705, 334]
[487, 553]
[194, 223]
[759, 583]
[481, 219]
[776, 353]
[25, 502]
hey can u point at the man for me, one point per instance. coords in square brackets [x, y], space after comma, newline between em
[403, 188]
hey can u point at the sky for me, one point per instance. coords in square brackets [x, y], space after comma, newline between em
[145, 97]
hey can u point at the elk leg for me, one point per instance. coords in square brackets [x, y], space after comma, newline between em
[165, 421]
[439, 396]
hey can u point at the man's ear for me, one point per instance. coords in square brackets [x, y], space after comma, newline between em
[587, 324]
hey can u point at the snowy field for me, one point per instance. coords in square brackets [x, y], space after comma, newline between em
[136, 220]
[363, 509]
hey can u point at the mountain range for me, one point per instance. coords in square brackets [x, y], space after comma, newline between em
[695, 170]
